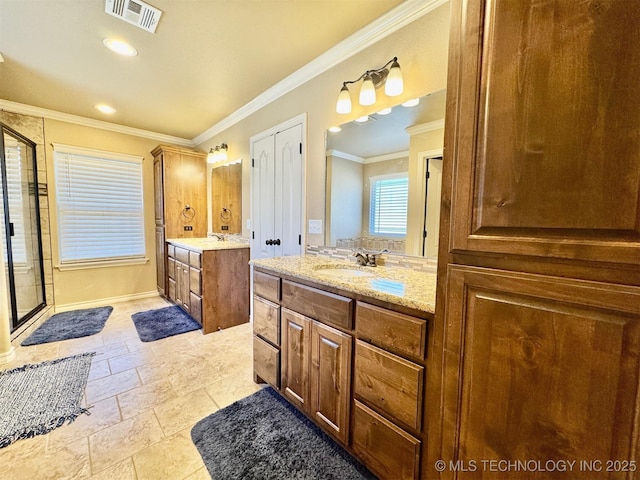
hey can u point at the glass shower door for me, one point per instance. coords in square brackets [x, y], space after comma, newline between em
[20, 226]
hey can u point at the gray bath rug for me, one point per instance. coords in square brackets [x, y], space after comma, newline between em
[162, 323]
[67, 325]
[36, 398]
[263, 437]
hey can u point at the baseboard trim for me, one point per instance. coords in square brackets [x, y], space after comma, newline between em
[6, 357]
[101, 302]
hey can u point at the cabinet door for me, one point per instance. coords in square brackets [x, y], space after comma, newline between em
[548, 368]
[161, 258]
[295, 358]
[330, 379]
[544, 129]
[158, 189]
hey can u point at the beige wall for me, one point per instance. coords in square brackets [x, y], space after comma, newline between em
[421, 48]
[346, 193]
[89, 285]
[418, 145]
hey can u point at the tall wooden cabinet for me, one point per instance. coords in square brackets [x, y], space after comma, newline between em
[180, 186]
[535, 352]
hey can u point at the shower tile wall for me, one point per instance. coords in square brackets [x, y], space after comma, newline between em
[33, 129]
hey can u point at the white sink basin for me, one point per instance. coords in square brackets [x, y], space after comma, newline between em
[344, 272]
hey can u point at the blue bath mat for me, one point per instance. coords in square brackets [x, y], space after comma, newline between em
[162, 323]
[67, 325]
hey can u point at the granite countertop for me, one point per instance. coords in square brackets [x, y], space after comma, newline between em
[204, 244]
[402, 286]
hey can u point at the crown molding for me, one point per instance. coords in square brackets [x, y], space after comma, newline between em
[345, 156]
[425, 127]
[388, 156]
[21, 108]
[398, 17]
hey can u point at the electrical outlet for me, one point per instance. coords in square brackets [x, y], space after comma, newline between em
[224, 227]
[188, 228]
[315, 226]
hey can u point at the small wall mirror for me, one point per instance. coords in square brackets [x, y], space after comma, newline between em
[384, 179]
[226, 198]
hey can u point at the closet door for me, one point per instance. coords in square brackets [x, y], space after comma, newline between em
[277, 191]
[264, 197]
[288, 218]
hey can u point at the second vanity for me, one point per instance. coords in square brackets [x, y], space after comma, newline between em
[347, 345]
[209, 279]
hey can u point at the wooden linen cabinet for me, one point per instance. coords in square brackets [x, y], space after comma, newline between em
[537, 328]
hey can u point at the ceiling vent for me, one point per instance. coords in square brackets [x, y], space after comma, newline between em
[137, 13]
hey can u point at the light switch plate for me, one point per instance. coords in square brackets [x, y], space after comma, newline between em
[315, 226]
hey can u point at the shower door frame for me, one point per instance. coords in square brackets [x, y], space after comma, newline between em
[16, 322]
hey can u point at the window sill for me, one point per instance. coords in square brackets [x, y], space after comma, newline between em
[102, 264]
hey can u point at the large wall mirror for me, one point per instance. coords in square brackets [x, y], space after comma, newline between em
[226, 198]
[384, 179]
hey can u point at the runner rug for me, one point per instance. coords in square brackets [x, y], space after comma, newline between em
[263, 437]
[37, 398]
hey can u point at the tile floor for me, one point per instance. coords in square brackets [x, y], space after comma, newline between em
[145, 397]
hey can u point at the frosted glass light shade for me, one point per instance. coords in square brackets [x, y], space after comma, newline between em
[367, 92]
[344, 101]
[394, 84]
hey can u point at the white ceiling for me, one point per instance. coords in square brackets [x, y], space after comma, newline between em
[207, 59]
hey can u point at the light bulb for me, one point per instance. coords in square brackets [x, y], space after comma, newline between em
[367, 92]
[394, 84]
[344, 101]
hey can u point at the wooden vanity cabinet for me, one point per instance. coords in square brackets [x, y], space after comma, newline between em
[212, 286]
[323, 350]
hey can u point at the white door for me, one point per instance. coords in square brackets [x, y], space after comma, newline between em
[263, 194]
[432, 210]
[288, 225]
[277, 193]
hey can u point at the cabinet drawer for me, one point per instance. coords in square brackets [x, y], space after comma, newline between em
[316, 304]
[266, 362]
[195, 303]
[171, 268]
[195, 259]
[386, 449]
[182, 255]
[266, 320]
[195, 280]
[398, 332]
[267, 286]
[171, 250]
[390, 383]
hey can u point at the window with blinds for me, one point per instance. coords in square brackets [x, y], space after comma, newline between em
[99, 205]
[15, 188]
[388, 205]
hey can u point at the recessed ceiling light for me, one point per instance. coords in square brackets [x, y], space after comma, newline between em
[411, 103]
[362, 119]
[385, 111]
[120, 47]
[105, 108]
[335, 129]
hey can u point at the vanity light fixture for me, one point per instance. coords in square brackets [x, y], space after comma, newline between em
[217, 154]
[389, 74]
[120, 47]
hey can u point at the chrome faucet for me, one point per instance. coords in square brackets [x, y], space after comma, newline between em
[368, 259]
[219, 236]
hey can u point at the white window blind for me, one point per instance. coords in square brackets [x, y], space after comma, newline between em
[15, 186]
[100, 207]
[388, 204]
